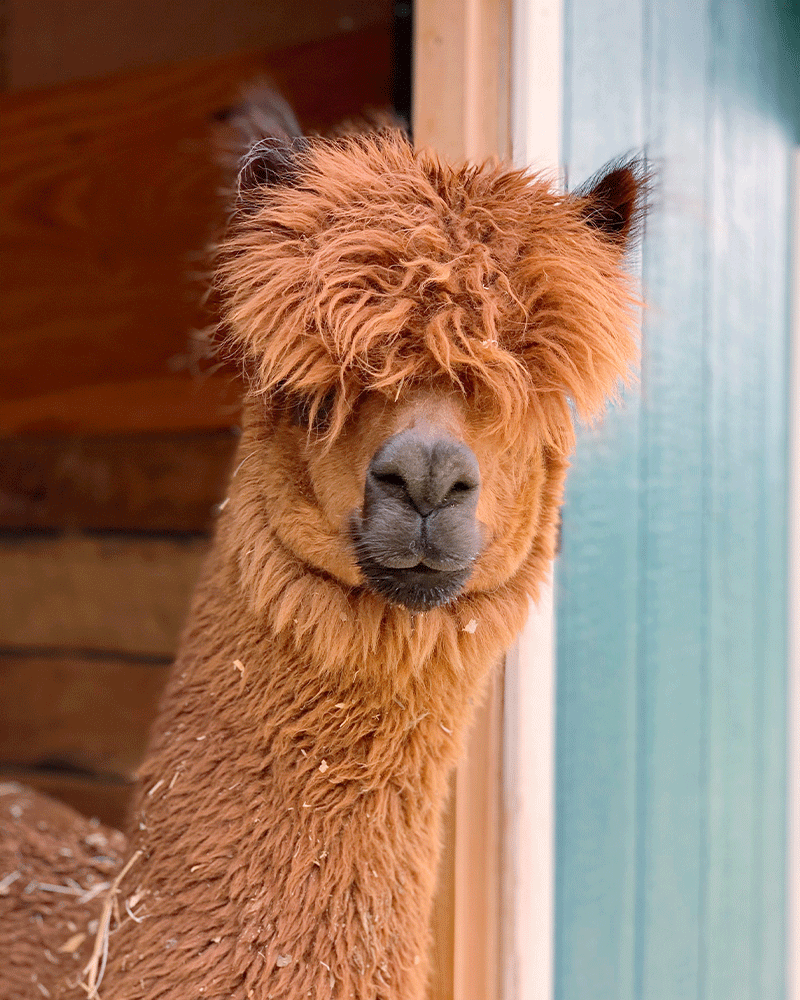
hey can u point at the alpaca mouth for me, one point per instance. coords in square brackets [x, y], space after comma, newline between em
[408, 572]
[416, 588]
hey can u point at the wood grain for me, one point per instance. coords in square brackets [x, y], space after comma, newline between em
[52, 41]
[477, 934]
[135, 482]
[745, 606]
[672, 611]
[462, 76]
[113, 594]
[441, 983]
[108, 196]
[86, 713]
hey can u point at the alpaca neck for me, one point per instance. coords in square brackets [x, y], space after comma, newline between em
[289, 810]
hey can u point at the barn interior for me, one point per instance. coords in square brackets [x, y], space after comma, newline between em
[117, 426]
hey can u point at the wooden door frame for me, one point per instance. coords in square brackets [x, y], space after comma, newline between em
[487, 81]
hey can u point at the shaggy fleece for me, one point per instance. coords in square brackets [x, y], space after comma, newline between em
[286, 829]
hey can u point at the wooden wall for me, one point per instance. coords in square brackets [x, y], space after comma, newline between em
[116, 429]
[671, 607]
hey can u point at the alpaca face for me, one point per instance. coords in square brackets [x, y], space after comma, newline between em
[420, 499]
[417, 339]
[429, 502]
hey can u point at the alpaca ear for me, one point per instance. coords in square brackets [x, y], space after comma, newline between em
[271, 162]
[614, 201]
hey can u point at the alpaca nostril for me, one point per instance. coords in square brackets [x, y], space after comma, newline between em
[424, 471]
[391, 479]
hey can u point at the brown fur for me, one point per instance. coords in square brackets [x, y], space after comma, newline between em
[288, 812]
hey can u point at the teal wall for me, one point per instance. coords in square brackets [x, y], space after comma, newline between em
[671, 586]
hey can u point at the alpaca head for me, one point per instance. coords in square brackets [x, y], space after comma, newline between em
[417, 340]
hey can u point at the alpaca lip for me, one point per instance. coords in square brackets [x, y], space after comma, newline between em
[418, 588]
[411, 573]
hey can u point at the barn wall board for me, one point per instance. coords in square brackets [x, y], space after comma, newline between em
[671, 589]
[53, 41]
[596, 652]
[116, 431]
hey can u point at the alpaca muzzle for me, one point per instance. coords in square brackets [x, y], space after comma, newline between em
[417, 536]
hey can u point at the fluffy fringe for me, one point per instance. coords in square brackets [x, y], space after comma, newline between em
[381, 269]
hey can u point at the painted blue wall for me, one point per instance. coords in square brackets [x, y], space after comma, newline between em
[671, 586]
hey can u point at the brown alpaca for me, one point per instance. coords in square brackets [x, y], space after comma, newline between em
[413, 334]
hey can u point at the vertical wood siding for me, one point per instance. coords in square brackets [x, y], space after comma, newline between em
[671, 588]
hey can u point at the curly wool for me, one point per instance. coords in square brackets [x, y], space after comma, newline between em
[286, 827]
[385, 268]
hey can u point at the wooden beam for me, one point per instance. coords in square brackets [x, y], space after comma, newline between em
[462, 110]
[132, 482]
[92, 714]
[108, 197]
[441, 982]
[478, 886]
[112, 594]
[52, 42]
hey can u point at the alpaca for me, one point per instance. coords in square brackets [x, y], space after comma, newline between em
[417, 338]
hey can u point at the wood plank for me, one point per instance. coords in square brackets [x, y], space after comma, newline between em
[111, 593]
[597, 588]
[735, 657]
[529, 710]
[86, 713]
[440, 984]
[141, 482]
[461, 108]
[476, 935]
[792, 758]
[529, 849]
[124, 405]
[104, 798]
[698, 729]
[52, 42]
[774, 612]
[462, 77]
[108, 195]
[673, 612]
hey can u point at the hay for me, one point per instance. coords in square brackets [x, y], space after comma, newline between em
[96, 966]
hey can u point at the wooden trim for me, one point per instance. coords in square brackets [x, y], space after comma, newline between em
[462, 95]
[462, 109]
[536, 85]
[529, 807]
[529, 737]
[478, 817]
[793, 763]
[440, 985]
